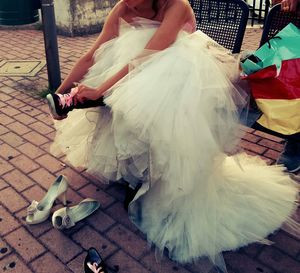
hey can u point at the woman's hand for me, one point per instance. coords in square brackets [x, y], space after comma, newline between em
[86, 93]
[289, 5]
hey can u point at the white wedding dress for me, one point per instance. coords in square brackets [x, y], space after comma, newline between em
[170, 124]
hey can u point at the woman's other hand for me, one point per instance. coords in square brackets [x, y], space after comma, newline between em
[289, 5]
[86, 93]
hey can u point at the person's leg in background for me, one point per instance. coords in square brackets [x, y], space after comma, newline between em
[290, 157]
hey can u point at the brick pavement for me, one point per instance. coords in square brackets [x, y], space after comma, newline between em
[27, 169]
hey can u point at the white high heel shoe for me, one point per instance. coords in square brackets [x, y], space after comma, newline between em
[38, 212]
[65, 218]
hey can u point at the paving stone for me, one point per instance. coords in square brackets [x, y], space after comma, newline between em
[7, 222]
[76, 265]
[271, 144]
[100, 220]
[18, 128]
[257, 149]
[24, 118]
[46, 147]
[44, 108]
[269, 161]
[272, 154]
[87, 237]
[12, 139]
[241, 263]
[163, 264]
[296, 217]
[43, 177]
[253, 250]
[49, 264]
[203, 265]
[3, 184]
[35, 138]
[129, 241]
[24, 163]
[8, 152]
[119, 214]
[18, 180]
[12, 200]
[41, 127]
[34, 193]
[50, 163]
[75, 179]
[45, 117]
[91, 191]
[12, 264]
[123, 263]
[30, 150]
[251, 38]
[59, 244]
[251, 138]
[96, 181]
[268, 136]
[279, 261]
[25, 244]
[4, 119]
[3, 130]
[51, 135]
[9, 111]
[5, 166]
[15, 103]
[29, 110]
[4, 249]
[286, 243]
[7, 89]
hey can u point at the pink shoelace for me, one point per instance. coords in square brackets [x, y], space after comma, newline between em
[66, 100]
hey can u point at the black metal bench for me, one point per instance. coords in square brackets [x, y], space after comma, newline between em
[223, 20]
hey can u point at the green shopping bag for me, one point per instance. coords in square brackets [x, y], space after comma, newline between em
[283, 46]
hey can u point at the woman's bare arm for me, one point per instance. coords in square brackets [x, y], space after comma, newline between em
[109, 31]
[165, 35]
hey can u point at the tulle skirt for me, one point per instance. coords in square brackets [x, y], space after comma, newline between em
[170, 125]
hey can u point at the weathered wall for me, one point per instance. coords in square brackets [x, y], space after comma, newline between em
[78, 17]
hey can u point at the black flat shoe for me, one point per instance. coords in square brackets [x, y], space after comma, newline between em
[93, 262]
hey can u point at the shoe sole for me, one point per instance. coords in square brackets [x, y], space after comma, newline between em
[51, 106]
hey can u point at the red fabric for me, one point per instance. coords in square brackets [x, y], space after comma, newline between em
[265, 85]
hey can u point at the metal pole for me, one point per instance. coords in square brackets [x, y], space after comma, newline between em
[50, 40]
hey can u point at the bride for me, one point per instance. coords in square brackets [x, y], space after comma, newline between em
[168, 126]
